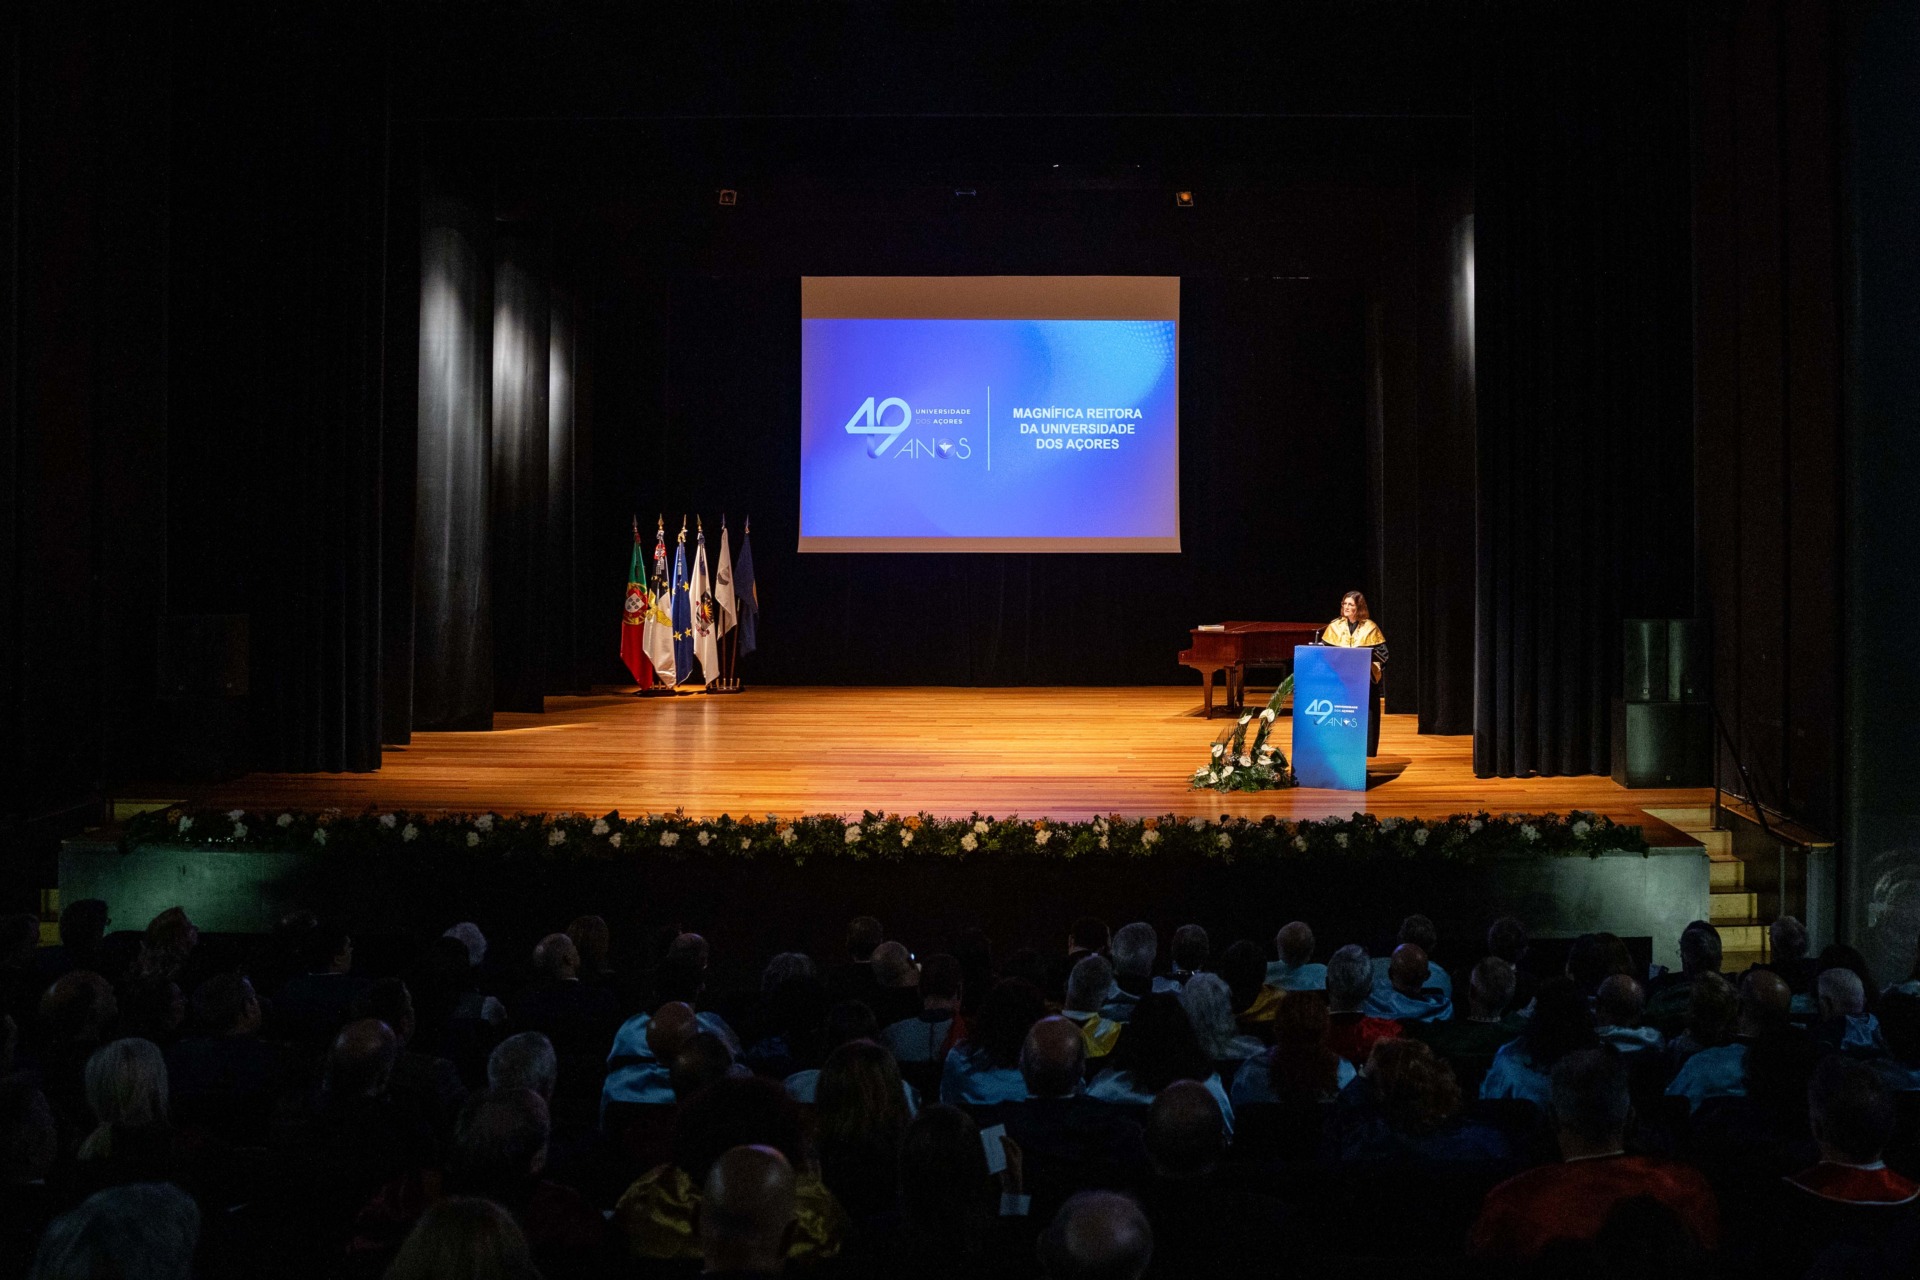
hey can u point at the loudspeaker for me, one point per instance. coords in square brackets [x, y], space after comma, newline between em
[203, 655]
[1687, 660]
[1662, 744]
[1644, 653]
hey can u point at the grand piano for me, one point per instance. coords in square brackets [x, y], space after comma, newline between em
[1239, 645]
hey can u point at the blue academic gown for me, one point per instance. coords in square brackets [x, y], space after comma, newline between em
[1298, 977]
[1432, 1005]
[1513, 1075]
[969, 1079]
[1720, 1072]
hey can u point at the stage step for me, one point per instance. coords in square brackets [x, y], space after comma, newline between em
[1727, 877]
[1733, 907]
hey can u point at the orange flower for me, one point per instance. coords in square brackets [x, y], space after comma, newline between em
[1150, 823]
[911, 822]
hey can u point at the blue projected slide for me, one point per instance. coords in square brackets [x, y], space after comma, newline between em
[975, 433]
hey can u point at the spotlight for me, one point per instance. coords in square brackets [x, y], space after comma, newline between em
[1183, 199]
[964, 193]
[728, 196]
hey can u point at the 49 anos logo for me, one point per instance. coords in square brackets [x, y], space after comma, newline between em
[871, 420]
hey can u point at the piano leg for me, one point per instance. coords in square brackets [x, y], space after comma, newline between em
[1206, 693]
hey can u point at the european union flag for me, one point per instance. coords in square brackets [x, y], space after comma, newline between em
[682, 609]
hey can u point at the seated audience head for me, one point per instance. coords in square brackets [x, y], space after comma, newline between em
[361, 1060]
[1159, 1045]
[172, 934]
[464, 1238]
[1053, 1058]
[943, 1174]
[1713, 1011]
[1301, 1066]
[1594, 958]
[680, 976]
[1699, 949]
[1414, 1086]
[592, 939]
[390, 1002]
[1089, 984]
[704, 1059]
[77, 1009]
[1186, 1134]
[83, 922]
[692, 949]
[1097, 1235]
[1134, 948]
[1209, 1007]
[668, 1031]
[524, 1061]
[468, 935]
[1841, 956]
[556, 959]
[1841, 994]
[1244, 969]
[785, 967]
[1191, 948]
[499, 1144]
[863, 935]
[29, 1138]
[127, 1084]
[1788, 939]
[1620, 1002]
[893, 966]
[1294, 944]
[747, 1211]
[1850, 1110]
[940, 981]
[860, 1098]
[848, 1021]
[1000, 1028]
[153, 1008]
[142, 1231]
[1766, 1001]
[1899, 1014]
[1561, 1024]
[1419, 931]
[1088, 934]
[1490, 988]
[329, 950]
[1349, 979]
[225, 1005]
[1407, 970]
[737, 1111]
[1590, 1102]
[1507, 939]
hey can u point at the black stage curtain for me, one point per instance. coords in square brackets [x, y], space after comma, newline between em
[521, 354]
[1583, 369]
[566, 617]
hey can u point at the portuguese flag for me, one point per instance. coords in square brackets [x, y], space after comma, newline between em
[639, 600]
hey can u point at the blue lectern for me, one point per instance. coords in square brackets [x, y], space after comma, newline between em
[1332, 698]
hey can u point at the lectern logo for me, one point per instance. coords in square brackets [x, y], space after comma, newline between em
[870, 419]
[1321, 710]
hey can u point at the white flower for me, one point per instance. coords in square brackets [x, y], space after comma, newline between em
[906, 838]
[484, 822]
[1268, 716]
[1474, 825]
[668, 839]
[186, 824]
[284, 820]
[1105, 842]
[319, 835]
[1330, 821]
[388, 821]
[409, 833]
[557, 836]
[234, 815]
[702, 838]
[617, 839]
[1200, 824]
[788, 836]
[979, 828]
[1388, 824]
[1224, 775]
[1529, 832]
[600, 826]
[1581, 828]
[1041, 837]
[473, 839]
[1246, 761]
[1149, 837]
[239, 831]
[969, 842]
[1340, 838]
[1300, 843]
[746, 842]
[1201, 772]
[1420, 835]
[1247, 718]
[853, 833]
[1224, 840]
[1212, 777]
[1219, 749]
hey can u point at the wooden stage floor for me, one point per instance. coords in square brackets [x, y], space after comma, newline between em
[1064, 753]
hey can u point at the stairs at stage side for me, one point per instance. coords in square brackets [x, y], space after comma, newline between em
[1733, 909]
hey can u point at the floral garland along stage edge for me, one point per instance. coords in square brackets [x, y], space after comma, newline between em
[1463, 838]
[1235, 766]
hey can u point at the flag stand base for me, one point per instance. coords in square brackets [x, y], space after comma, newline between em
[724, 686]
[657, 691]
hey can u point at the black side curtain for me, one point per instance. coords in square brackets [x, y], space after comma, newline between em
[1584, 396]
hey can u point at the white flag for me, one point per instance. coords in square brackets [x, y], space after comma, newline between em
[723, 586]
[656, 635]
[705, 637]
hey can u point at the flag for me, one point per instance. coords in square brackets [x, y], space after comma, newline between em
[682, 612]
[724, 609]
[746, 591]
[705, 646]
[656, 631]
[633, 621]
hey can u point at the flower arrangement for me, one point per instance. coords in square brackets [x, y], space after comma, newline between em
[879, 836]
[1233, 765]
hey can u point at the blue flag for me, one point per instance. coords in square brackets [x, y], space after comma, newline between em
[746, 594]
[682, 613]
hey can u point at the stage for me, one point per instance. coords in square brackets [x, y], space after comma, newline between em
[1066, 753]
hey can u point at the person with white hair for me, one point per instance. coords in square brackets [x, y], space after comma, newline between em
[1295, 970]
[145, 1231]
[1209, 1007]
[524, 1061]
[133, 1140]
[1134, 947]
[1088, 988]
[1845, 1022]
[1352, 1030]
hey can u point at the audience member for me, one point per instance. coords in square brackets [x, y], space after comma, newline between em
[947, 1225]
[133, 1138]
[1300, 1069]
[524, 1061]
[1206, 1223]
[226, 1078]
[153, 1009]
[168, 947]
[464, 1238]
[1507, 940]
[83, 924]
[1418, 931]
[1295, 970]
[1134, 948]
[422, 1082]
[1069, 1140]
[1243, 968]
[1352, 1031]
[1844, 1022]
[1158, 1048]
[1088, 988]
[1406, 997]
[853, 979]
[1572, 1200]
[985, 1067]
[146, 1231]
[748, 1211]
[1468, 1043]
[1670, 995]
[1189, 953]
[1523, 1067]
[77, 1014]
[897, 984]
[1787, 950]
[1595, 957]
[1209, 1007]
[1618, 1005]
[1851, 1113]
[926, 1036]
[638, 1067]
[316, 1004]
[860, 1113]
[1086, 937]
[29, 1147]
[1406, 1107]
[577, 1016]
[1097, 1235]
[1718, 1068]
[847, 1021]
